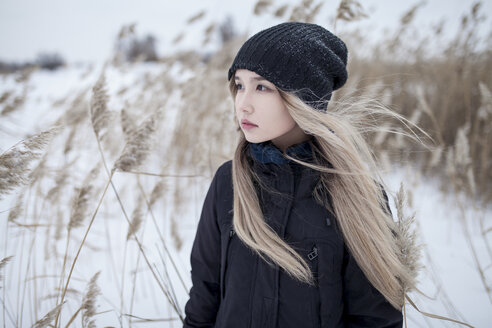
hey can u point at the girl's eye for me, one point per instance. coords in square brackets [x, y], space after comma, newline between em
[260, 87]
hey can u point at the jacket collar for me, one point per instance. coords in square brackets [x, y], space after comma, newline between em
[277, 173]
[270, 164]
[266, 152]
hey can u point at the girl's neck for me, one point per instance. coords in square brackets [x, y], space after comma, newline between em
[294, 136]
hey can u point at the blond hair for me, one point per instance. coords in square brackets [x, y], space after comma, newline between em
[349, 175]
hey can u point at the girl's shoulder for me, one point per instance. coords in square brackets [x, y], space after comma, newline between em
[224, 170]
[224, 194]
[223, 179]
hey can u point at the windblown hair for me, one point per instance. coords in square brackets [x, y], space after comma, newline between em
[349, 176]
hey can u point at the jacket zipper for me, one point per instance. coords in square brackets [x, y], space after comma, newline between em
[313, 254]
[228, 246]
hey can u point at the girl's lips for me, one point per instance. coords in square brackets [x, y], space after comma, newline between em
[248, 126]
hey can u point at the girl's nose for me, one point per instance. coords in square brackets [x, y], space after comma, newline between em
[244, 103]
[248, 108]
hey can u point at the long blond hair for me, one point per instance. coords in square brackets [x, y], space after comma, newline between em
[349, 175]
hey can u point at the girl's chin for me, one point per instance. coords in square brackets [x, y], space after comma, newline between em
[252, 139]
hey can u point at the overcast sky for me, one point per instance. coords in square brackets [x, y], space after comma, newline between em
[85, 30]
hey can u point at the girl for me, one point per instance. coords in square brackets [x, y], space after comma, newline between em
[295, 231]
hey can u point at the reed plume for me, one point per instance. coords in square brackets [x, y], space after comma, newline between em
[280, 11]
[311, 15]
[137, 218]
[406, 240]
[81, 201]
[157, 192]
[196, 17]
[5, 95]
[16, 103]
[100, 115]
[262, 6]
[60, 181]
[138, 146]
[304, 12]
[15, 212]
[89, 302]
[409, 16]
[127, 124]
[3, 263]
[178, 38]
[208, 33]
[48, 318]
[15, 162]
[350, 10]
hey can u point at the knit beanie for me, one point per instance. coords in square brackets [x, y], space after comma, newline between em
[299, 57]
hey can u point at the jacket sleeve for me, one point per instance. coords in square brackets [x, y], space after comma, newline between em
[203, 304]
[364, 305]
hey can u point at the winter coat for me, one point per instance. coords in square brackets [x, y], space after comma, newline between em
[234, 288]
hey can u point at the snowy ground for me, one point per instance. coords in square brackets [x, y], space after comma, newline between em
[450, 277]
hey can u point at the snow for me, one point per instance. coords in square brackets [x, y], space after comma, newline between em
[450, 276]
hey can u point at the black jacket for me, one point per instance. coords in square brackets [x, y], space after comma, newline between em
[235, 288]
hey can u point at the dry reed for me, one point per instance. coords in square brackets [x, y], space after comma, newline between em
[280, 11]
[262, 6]
[48, 318]
[81, 201]
[128, 124]
[448, 94]
[3, 263]
[138, 146]
[89, 302]
[198, 16]
[137, 218]
[350, 10]
[410, 251]
[100, 115]
[15, 162]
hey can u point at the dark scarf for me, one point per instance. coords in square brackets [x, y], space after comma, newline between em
[267, 152]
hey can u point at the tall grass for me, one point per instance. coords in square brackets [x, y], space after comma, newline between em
[447, 92]
[143, 146]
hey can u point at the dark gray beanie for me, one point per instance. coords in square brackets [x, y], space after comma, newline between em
[301, 57]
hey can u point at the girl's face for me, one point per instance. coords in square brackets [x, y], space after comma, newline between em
[261, 112]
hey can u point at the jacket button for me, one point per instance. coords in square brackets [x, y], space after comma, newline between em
[328, 221]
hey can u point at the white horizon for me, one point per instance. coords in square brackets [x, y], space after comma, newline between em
[86, 31]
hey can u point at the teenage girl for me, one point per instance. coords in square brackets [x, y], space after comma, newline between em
[295, 230]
